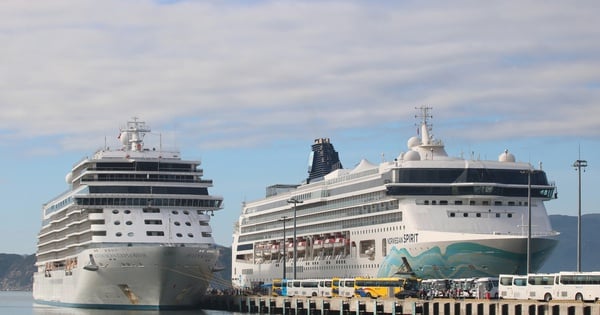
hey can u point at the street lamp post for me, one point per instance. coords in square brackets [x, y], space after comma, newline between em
[529, 172]
[579, 164]
[283, 218]
[294, 201]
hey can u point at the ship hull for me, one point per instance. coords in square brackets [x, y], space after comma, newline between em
[144, 277]
[457, 256]
[469, 258]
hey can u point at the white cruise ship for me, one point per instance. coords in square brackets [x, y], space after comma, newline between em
[439, 216]
[132, 231]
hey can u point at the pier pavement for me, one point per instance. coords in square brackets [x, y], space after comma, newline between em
[392, 306]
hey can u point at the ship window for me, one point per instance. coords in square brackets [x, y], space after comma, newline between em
[472, 202]
[458, 202]
[426, 202]
[511, 203]
[179, 235]
[206, 234]
[118, 234]
[155, 233]
[130, 234]
[186, 212]
[115, 211]
[151, 210]
[190, 235]
[128, 222]
[127, 211]
[497, 215]
[510, 215]
[497, 203]
[188, 224]
[157, 222]
[175, 212]
[452, 214]
[465, 214]
[443, 202]
[203, 223]
[478, 215]
[117, 222]
[177, 223]
[485, 203]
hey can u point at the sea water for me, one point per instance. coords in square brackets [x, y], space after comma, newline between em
[21, 303]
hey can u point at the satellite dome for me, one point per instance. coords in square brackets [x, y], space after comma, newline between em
[124, 137]
[69, 178]
[412, 156]
[506, 157]
[413, 142]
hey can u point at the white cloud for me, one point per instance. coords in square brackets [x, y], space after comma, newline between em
[237, 72]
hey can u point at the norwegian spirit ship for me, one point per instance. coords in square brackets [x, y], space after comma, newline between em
[440, 216]
[131, 232]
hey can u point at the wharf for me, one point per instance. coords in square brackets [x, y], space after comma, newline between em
[392, 306]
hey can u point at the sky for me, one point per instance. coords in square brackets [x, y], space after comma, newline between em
[246, 87]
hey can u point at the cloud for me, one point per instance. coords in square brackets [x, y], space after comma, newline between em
[234, 73]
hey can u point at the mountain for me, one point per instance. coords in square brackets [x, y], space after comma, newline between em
[564, 257]
[16, 271]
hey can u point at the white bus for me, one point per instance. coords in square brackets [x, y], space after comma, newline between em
[346, 287]
[540, 286]
[580, 286]
[512, 287]
[486, 287]
[326, 287]
[307, 287]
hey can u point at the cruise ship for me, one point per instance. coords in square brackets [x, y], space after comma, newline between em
[131, 232]
[425, 212]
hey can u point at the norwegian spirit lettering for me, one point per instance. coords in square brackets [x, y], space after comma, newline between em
[405, 238]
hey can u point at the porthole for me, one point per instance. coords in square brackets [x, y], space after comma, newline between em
[118, 234]
[175, 212]
[190, 235]
[128, 222]
[115, 211]
[188, 224]
[130, 234]
[177, 223]
[117, 222]
[127, 211]
[179, 235]
[186, 212]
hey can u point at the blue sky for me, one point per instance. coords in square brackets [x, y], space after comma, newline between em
[247, 86]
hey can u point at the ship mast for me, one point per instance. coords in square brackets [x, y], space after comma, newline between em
[132, 137]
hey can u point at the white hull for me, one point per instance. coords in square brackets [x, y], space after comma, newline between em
[145, 277]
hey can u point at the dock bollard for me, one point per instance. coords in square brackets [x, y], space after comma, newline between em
[325, 306]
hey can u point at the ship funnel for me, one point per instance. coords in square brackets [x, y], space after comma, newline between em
[322, 160]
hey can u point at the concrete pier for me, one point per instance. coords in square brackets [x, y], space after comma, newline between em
[391, 306]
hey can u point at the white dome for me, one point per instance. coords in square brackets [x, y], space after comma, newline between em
[506, 157]
[124, 137]
[413, 142]
[69, 178]
[412, 156]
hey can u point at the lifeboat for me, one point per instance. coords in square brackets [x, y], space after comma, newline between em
[301, 246]
[339, 242]
[275, 249]
[290, 247]
[329, 243]
[318, 245]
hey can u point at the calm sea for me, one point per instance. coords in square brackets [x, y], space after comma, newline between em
[21, 303]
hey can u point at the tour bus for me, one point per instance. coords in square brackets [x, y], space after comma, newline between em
[325, 287]
[346, 287]
[305, 287]
[486, 287]
[512, 287]
[580, 286]
[540, 286]
[279, 287]
[377, 287]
